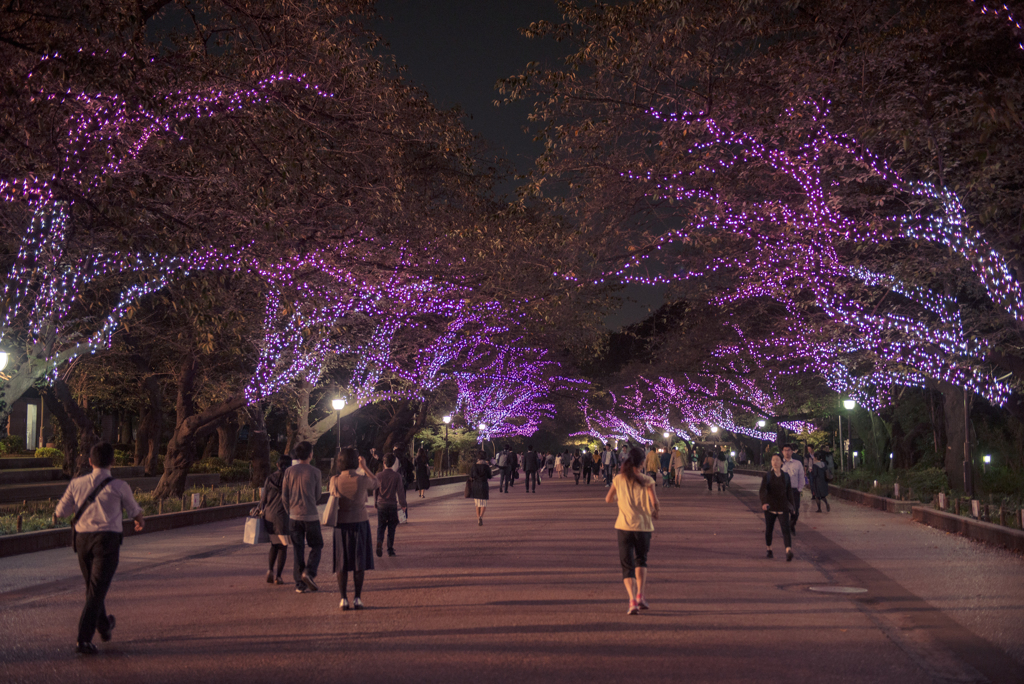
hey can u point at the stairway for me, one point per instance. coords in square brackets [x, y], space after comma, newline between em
[24, 478]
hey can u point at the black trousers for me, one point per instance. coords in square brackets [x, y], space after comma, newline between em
[633, 550]
[531, 474]
[98, 554]
[586, 475]
[794, 494]
[506, 479]
[387, 520]
[769, 527]
[303, 532]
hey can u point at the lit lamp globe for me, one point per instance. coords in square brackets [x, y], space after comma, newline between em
[447, 419]
[4, 358]
[714, 428]
[665, 435]
[761, 423]
[849, 404]
[338, 404]
[482, 427]
[987, 459]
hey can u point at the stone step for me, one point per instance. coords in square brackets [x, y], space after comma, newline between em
[17, 462]
[54, 490]
[39, 475]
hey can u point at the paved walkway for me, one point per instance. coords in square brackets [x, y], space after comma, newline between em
[535, 595]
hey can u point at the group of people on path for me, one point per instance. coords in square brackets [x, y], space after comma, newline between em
[290, 497]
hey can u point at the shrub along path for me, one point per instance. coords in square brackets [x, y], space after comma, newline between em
[535, 595]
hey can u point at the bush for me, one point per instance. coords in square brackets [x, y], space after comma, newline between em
[238, 471]
[123, 457]
[56, 456]
[922, 483]
[12, 444]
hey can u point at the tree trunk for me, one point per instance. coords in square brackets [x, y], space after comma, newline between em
[259, 445]
[189, 430]
[151, 421]
[78, 431]
[954, 419]
[227, 439]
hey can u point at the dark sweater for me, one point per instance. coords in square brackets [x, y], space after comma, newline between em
[775, 492]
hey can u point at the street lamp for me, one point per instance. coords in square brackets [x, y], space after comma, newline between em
[986, 459]
[714, 428]
[338, 405]
[447, 419]
[849, 405]
[760, 446]
[4, 358]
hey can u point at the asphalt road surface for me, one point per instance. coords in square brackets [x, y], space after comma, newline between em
[535, 595]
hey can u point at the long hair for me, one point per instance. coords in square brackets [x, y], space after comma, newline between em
[633, 463]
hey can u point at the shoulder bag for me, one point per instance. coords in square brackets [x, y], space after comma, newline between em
[329, 518]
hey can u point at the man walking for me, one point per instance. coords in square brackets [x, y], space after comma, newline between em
[96, 501]
[390, 495]
[531, 464]
[300, 492]
[608, 462]
[797, 480]
[506, 470]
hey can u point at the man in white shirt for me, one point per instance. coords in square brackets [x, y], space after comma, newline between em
[96, 500]
[797, 480]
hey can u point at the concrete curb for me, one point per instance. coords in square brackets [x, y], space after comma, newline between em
[989, 533]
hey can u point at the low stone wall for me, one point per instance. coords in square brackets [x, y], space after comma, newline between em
[996, 535]
[863, 498]
[43, 540]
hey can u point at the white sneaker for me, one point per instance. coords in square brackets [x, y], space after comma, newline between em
[344, 604]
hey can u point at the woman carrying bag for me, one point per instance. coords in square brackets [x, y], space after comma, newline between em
[275, 519]
[353, 543]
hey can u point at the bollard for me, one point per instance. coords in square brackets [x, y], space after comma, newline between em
[55, 519]
[19, 523]
[1002, 516]
[956, 506]
[896, 490]
[238, 496]
[976, 508]
[942, 501]
[159, 506]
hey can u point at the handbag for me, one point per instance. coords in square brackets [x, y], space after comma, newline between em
[403, 517]
[255, 531]
[469, 488]
[329, 518]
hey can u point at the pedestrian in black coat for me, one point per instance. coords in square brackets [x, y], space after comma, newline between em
[777, 505]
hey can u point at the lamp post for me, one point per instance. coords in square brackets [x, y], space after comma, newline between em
[447, 419]
[668, 444]
[338, 405]
[986, 459]
[760, 445]
[482, 427]
[849, 405]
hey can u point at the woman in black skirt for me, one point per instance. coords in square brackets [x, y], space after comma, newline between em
[479, 488]
[276, 520]
[422, 464]
[353, 546]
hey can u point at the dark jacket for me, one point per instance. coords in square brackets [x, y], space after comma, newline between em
[479, 474]
[530, 462]
[272, 504]
[819, 483]
[775, 492]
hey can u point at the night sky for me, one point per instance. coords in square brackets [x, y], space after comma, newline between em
[457, 50]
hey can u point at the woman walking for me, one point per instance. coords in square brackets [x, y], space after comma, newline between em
[353, 544]
[776, 504]
[276, 520]
[819, 480]
[479, 488]
[638, 509]
[576, 465]
[422, 473]
[708, 466]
